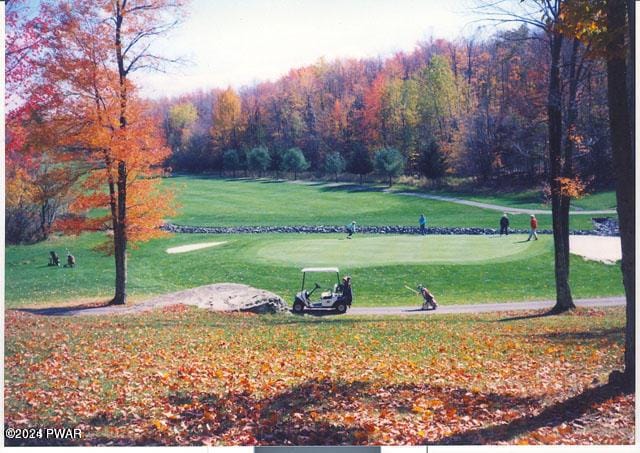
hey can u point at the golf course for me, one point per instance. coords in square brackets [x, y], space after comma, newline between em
[309, 223]
[459, 269]
[180, 375]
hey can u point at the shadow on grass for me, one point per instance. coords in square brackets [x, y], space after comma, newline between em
[318, 412]
[530, 316]
[303, 414]
[554, 415]
[614, 335]
[67, 310]
[352, 188]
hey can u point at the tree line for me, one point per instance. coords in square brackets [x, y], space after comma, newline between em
[471, 107]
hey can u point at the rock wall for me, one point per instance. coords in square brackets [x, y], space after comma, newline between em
[600, 229]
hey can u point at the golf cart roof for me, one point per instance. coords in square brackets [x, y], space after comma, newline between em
[320, 269]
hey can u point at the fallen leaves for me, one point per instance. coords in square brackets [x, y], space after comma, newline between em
[187, 377]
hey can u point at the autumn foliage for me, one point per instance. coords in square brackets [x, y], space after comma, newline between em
[185, 376]
[94, 126]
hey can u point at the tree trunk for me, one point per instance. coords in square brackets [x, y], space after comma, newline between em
[559, 204]
[120, 217]
[44, 227]
[120, 238]
[622, 146]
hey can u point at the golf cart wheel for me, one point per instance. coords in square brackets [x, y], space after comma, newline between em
[341, 308]
[298, 307]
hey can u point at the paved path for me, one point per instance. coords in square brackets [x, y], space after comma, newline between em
[413, 310]
[485, 308]
[496, 207]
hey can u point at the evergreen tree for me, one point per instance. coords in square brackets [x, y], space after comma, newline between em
[389, 162]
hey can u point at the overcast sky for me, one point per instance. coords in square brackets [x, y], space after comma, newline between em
[240, 42]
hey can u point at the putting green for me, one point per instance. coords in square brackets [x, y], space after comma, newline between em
[363, 251]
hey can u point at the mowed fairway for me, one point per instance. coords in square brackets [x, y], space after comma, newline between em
[221, 202]
[366, 251]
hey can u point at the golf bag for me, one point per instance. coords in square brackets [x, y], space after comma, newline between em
[429, 302]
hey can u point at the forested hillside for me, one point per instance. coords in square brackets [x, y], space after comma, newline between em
[471, 107]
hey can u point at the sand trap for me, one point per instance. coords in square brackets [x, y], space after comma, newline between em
[596, 248]
[192, 247]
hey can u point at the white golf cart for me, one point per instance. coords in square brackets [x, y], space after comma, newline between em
[329, 299]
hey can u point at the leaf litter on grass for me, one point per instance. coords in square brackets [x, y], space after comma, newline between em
[182, 376]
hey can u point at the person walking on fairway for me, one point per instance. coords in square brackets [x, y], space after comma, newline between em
[534, 227]
[351, 228]
[504, 224]
[423, 224]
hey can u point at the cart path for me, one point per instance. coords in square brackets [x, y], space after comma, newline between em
[375, 311]
[496, 207]
[486, 308]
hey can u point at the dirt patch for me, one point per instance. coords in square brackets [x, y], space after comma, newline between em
[192, 247]
[605, 249]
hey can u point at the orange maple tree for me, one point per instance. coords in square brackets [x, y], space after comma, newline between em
[103, 124]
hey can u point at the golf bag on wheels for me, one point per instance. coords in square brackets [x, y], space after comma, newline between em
[429, 301]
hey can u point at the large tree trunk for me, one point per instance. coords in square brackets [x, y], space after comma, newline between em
[120, 238]
[120, 224]
[624, 163]
[559, 201]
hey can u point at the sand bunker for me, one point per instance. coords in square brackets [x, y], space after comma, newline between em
[606, 249]
[191, 247]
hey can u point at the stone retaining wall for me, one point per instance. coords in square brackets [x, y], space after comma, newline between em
[393, 229]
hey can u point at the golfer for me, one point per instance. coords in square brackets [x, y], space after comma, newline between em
[504, 224]
[423, 224]
[351, 228]
[534, 227]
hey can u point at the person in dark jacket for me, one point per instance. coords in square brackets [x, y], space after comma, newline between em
[504, 224]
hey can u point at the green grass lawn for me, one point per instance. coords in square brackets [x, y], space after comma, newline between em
[457, 269]
[185, 376]
[371, 251]
[221, 202]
